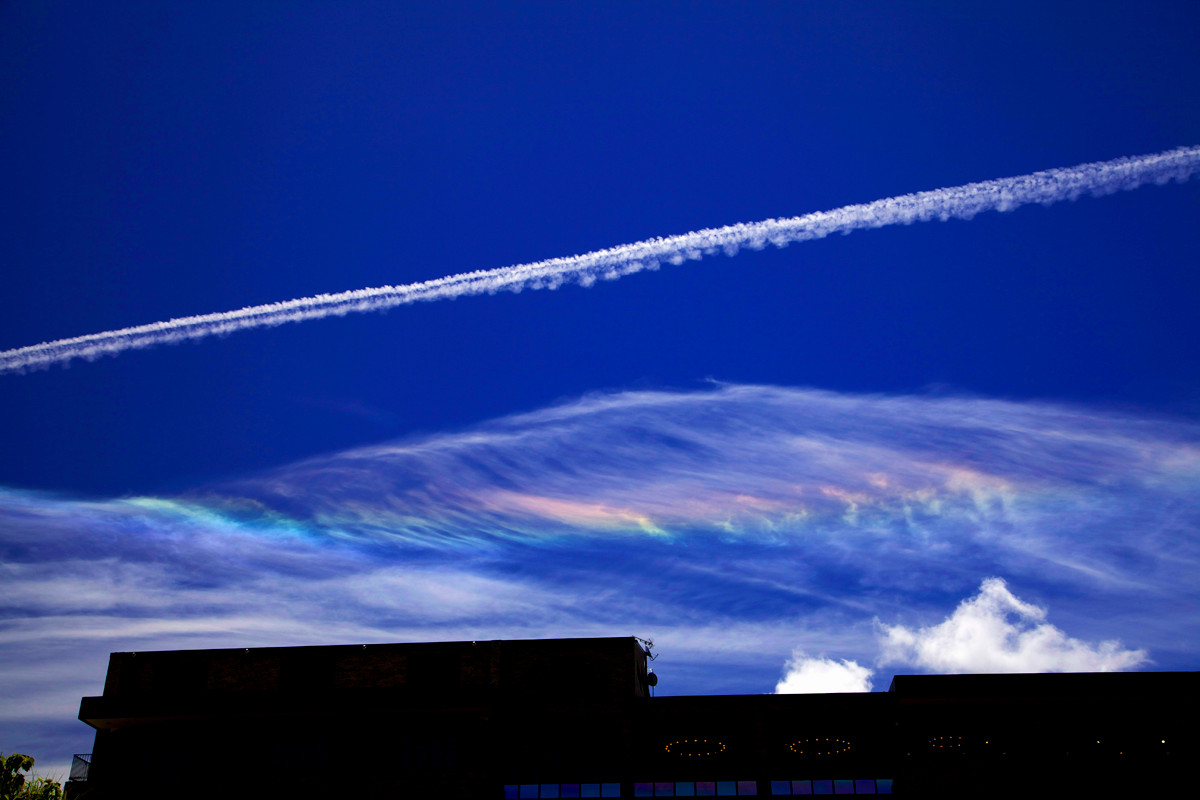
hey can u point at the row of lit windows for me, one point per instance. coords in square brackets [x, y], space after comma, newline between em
[744, 788]
[520, 791]
[695, 788]
[856, 786]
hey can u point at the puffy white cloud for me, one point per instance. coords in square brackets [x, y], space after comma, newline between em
[806, 675]
[995, 631]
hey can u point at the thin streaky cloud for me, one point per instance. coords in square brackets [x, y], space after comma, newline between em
[959, 202]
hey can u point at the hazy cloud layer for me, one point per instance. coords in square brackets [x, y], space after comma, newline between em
[737, 526]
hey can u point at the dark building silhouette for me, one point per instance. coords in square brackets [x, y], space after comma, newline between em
[569, 718]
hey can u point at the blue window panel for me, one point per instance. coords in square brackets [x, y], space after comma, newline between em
[569, 790]
[822, 787]
[610, 790]
[781, 787]
[511, 792]
[589, 790]
[747, 787]
[529, 790]
[705, 788]
[843, 787]
[726, 787]
[802, 787]
[664, 789]
[864, 786]
[643, 790]
[685, 789]
[549, 790]
[883, 785]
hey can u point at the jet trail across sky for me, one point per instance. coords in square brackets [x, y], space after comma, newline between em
[958, 202]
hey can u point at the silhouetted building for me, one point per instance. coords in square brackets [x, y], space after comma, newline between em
[567, 718]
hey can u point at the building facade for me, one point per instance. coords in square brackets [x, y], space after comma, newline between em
[567, 718]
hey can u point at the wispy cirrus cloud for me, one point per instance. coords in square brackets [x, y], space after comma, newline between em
[915, 478]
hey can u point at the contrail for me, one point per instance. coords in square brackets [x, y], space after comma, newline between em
[958, 202]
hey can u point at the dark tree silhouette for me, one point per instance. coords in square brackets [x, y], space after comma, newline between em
[14, 786]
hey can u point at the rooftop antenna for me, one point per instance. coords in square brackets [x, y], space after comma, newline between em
[647, 645]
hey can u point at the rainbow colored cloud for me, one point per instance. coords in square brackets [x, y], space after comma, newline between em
[737, 526]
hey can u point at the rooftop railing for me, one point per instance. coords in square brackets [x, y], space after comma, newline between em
[80, 765]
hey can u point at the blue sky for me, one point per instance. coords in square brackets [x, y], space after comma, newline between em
[777, 464]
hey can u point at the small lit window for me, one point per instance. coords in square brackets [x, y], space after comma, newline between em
[643, 790]
[883, 785]
[610, 790]
[664, 789]
[843, 787]
[685, 789]
[549, 790]
[726, 787]
[569, 790]
[705, 788]
[511, 791]
[864, 786]
[529, 790]
[802, 787]
[781, 787]
[747, 787]
[589, 790]
[822, 787]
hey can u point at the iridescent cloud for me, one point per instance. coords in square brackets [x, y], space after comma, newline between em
[734, 525]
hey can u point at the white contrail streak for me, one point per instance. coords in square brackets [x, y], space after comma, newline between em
[958, 202]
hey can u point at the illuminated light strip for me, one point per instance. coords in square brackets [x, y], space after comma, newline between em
[695, 752]
[837, 746]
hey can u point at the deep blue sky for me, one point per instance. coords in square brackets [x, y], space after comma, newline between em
[164, 161]
[792, 453]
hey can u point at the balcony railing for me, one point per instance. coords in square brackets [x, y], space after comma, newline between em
[80, 765]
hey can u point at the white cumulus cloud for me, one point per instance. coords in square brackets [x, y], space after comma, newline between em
[807, 675]
[995, 631]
